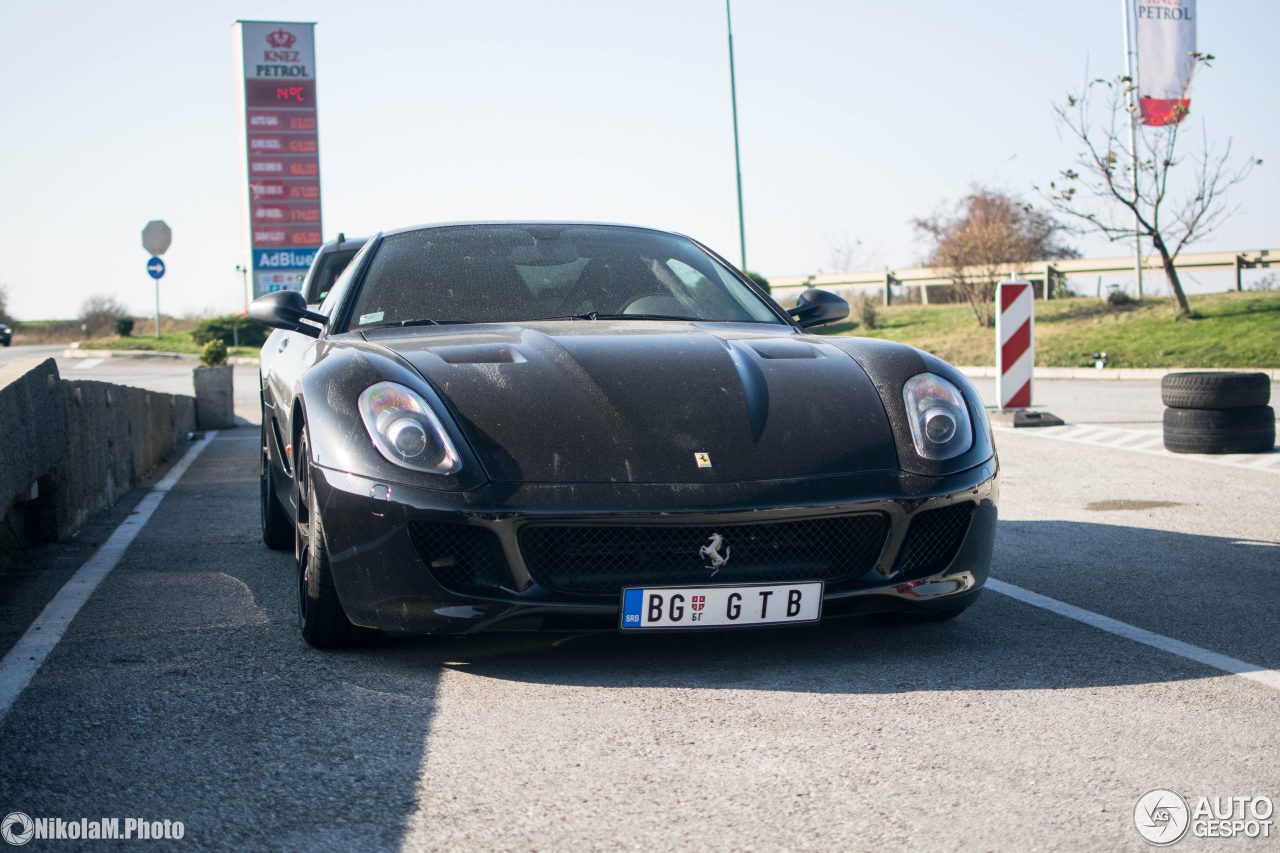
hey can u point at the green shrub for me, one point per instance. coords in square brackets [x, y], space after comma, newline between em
[867, 312]
[214, 353]
[124, 326]
[231, 329]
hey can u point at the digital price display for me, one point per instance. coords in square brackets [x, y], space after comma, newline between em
[276, 76]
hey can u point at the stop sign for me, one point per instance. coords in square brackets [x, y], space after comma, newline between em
[156, 237]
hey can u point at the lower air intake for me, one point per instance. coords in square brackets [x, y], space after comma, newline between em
[461, 558]
[603, 559]
[933, 539]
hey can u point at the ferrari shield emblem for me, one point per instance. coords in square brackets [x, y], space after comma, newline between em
[703, 459]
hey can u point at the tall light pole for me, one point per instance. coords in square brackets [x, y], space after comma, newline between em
[737, 157]
[1129, 48]
[244, 284]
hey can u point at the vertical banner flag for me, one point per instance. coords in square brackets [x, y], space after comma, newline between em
[280, 153]
[1166, 37]
[1015, 343]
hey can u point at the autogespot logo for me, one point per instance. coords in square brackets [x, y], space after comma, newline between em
[1161, 817]
[17, 828]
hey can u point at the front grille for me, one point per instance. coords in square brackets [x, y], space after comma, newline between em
[460, 558]
[603, 559]
[933, 539]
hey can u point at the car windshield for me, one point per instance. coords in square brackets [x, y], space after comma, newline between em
[521, 273]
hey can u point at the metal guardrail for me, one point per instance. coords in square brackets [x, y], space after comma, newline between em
[1038, 271]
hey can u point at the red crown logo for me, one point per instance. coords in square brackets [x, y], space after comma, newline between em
[281, 38]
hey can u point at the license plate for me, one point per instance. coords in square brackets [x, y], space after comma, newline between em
[720, 606]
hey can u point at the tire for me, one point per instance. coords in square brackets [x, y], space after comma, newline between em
[277, 529]
[1220, 430]
[1215, 390]
[321, 619]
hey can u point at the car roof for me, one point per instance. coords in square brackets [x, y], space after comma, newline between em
[344, 243]
[523, 222]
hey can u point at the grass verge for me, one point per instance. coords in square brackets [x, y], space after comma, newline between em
[1227, 330]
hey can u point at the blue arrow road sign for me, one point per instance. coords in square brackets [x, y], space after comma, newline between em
[155, 268]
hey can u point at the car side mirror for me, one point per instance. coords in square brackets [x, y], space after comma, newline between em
[818, 308]
[287, 309]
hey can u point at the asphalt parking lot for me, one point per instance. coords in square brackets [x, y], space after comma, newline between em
[182, 690]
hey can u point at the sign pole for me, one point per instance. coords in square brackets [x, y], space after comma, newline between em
[737, 158]
[243, 271]
[1133, 137]
[156, 239]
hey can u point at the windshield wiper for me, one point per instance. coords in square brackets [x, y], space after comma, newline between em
[397, 324]
[596, 315]
[646, 317]
[589, 315]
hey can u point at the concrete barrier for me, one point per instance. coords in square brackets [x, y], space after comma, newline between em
[71, 448]
[215, 397]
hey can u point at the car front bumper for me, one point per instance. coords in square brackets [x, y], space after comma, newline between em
[384, 579]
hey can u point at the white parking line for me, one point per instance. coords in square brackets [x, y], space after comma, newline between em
[1145, 441]
[24, 659]
[1224, 663]
[87, 364]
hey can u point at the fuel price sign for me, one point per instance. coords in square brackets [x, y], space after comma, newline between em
[276, 71]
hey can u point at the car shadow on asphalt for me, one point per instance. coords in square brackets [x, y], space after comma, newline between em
[183, 690]
[1210, 591]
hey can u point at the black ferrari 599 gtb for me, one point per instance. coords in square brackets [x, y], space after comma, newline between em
[518, 426]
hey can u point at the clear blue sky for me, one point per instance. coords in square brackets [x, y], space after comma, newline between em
[855, 117]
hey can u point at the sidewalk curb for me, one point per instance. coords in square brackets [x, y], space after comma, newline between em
[76, 352]
[1115, 374]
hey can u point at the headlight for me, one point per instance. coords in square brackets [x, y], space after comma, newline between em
[406, 431]
[940, 427]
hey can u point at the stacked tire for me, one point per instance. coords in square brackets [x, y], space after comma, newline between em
[1218, 413]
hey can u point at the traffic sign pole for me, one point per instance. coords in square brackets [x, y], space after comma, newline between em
[155, 269]
[156, 238]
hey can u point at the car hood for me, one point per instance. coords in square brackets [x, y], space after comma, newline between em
[639, 401]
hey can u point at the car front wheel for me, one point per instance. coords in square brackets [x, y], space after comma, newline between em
[321, 618]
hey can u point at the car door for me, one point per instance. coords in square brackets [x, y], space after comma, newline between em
[285, 357]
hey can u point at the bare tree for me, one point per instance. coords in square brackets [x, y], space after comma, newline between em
[99, 313]
[5, 317]
[986, 232]
[1103, 192]
[845, 253]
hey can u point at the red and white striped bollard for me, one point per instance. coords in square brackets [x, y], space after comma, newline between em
[1015, 343]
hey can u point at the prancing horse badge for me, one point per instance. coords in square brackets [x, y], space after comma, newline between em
[703, 459]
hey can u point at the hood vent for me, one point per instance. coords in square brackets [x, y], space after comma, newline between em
[479, 354]
[785, 349]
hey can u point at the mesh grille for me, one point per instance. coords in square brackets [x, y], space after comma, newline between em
[933, 539]
[602, 559]
[460, 558]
